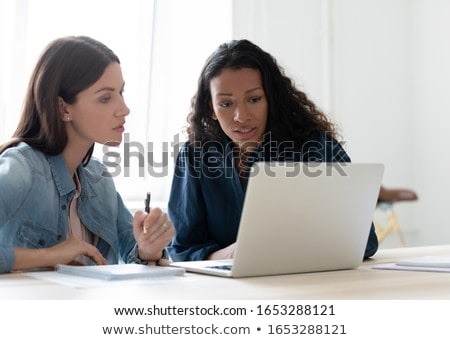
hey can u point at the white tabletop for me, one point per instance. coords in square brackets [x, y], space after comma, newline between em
[363, 282]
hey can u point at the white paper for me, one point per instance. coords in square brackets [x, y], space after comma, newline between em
[423, 263]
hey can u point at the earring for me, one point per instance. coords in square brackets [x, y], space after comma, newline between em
[67, 118]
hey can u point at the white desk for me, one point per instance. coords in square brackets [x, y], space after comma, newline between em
[361, 283]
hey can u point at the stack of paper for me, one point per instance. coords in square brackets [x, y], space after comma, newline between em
[120, 271]
[424, 263]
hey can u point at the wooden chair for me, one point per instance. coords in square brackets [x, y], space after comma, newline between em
[390, 224]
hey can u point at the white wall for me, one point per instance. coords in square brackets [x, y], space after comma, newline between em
[380, 68]
[431, 58]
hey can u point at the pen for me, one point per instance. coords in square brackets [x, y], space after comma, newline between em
[147, 207]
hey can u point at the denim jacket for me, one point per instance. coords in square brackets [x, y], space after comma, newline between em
[35, 192]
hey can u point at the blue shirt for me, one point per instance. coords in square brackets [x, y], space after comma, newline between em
[35, 193]
[207, 195]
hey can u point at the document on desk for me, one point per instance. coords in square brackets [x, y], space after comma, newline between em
[120, 271]
[423, 263]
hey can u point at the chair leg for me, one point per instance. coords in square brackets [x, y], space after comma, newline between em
[392, 226]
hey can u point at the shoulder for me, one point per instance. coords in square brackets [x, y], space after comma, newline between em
[199, 159]
[20, 166]
[198, 152]
[22, 150]
[96, 169]
[322, 147]
[23, 157]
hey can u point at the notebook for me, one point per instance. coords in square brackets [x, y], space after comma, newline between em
[422, 263]
[301, 217]
[120, 271]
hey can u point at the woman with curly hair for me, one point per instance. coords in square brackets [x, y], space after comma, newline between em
[245, 110]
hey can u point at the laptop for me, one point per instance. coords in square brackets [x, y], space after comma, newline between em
[299, 218]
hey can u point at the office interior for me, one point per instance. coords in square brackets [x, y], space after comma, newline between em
[379, 68]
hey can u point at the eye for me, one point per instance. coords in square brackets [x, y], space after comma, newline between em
[255, 99]
[224, 104]
[105, 99]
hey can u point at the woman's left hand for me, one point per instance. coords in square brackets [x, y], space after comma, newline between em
[153, 232]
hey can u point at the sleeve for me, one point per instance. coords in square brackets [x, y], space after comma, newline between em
[187, 210]
[372, 243]
[127, 243]
[15, 182]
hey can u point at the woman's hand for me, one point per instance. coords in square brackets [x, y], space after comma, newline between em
[153, 232]
[224, 253]
[65, 252]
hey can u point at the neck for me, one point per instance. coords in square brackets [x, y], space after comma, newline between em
[73, 156]
[247, 147]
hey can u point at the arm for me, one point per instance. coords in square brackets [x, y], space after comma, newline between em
[17, 179]
[187, 211]
[63, 253]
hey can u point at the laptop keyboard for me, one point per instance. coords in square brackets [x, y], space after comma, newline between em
[222, 267]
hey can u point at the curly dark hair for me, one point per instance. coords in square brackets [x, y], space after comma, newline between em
[291, 114]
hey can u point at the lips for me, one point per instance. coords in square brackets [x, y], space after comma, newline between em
[245, 132]
[120, 128]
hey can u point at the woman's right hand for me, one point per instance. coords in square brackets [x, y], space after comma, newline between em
[67, 251]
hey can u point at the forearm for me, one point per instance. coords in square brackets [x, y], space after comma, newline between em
[32, 258]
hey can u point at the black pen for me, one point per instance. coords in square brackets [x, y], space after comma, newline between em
[147, 207]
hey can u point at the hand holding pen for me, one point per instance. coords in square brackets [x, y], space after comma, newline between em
[152, 230]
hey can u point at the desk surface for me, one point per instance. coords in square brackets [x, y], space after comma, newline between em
[361, 283]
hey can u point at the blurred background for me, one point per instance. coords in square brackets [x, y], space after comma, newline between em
[379, 68]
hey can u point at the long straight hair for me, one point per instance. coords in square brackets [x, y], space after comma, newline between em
[66, 67]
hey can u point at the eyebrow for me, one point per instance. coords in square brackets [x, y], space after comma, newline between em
[248, 91]
[105, 89]
[109, 88]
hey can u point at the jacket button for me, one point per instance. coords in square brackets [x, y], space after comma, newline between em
[63, 207]
[59, 237]
[41, 242]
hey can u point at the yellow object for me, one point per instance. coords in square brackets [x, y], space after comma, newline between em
[388, 224]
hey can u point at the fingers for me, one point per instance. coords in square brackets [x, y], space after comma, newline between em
[88, 250]
[163, 231]
[152, 226]
[69, 250]
[95, 255]
[138, 221]
[164, 262]
[159, 232]
[224, 253]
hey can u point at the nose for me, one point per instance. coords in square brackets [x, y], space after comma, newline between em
[123, 110]
[241, 114]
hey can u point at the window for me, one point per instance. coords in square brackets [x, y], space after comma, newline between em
[162, 46]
